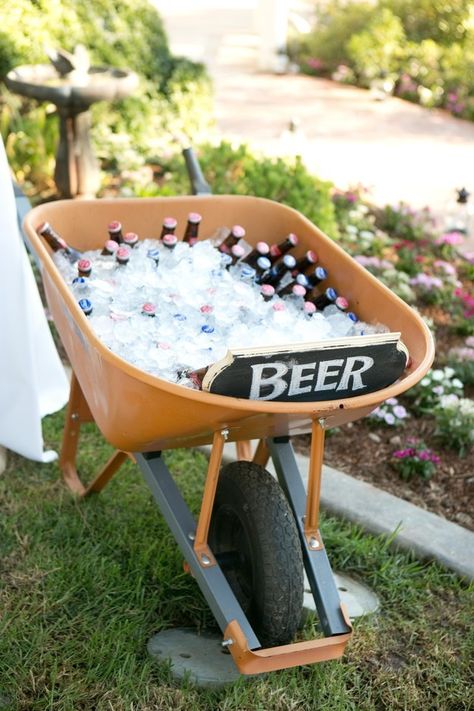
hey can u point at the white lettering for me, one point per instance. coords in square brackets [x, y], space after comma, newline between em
[324, 372]
[351, 372]
[275, 381]
[297, 378]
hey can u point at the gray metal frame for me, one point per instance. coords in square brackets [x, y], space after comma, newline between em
[211, 580]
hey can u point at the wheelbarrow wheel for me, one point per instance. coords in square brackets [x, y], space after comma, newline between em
[254, 538]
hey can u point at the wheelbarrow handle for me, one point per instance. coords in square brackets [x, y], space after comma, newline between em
[199, 185]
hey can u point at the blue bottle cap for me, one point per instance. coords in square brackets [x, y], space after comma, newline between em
[352, 317]
[79, 281]
[331, 294]
[247, 272]
[303, 280]
[180, 317]
[207, 329]
[289, 261]
[320, 273]
[154, 254]
[86, 306]
[226, 259]
[264, 263]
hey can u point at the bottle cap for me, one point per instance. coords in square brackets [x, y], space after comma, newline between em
[170, 223]
[352, 317]
[263, 263]
[114, 226]
[267, 290]
[298, 290]
[311, 256]
[289, 261]
[206, 309]
[79, 281]
[237, 251]
[122, 255]
[170, 241]
[149, 309]
[292, 239]
[111, 246]
[331, 294]
[303, 280]
[194, 217]
[180, 317]
[154, 254]
[262, 247]
[342, 303]
[279, 306]
[86, 306]
[309, 308]
[207, 329]
[226, 259]
[320, 273]
[84, 265]
[130, 238]
[238, 231]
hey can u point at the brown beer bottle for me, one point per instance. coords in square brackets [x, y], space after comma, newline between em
[168, 226]
[237, 232]
[308, 260]
[130, 239]
[57, 243]
[261, 249]
[192, 228]
[278, 271]
[115, 231]
[110, 247]
[279, 250]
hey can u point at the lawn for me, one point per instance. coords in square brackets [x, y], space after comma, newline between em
[84, 585]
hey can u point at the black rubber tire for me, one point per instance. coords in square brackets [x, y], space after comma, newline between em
[254, 538]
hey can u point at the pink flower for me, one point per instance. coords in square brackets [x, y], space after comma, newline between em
[451, 238]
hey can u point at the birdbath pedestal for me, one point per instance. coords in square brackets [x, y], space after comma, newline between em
[77, 170]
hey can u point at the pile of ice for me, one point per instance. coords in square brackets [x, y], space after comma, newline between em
[201, 308]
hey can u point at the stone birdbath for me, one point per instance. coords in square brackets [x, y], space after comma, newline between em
[72, 85]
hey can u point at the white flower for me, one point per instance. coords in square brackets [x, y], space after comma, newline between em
[425, 381]
[457, 383]
[437, 375]
[352, 229]
[449, 372]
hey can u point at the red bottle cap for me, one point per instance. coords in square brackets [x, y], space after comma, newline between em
[194, 217]
[279, 306]
[170, 223]
[293, 239]
[170, 240]
[309, 307]
[122, 255]
[84, 265]
[262, 247]
[114, 226]
[111, 245]
[149, 309]
[311, 256]
[238, 251]
[342, 303]
[298, 290]
[238, 231]
[206, 309]
[130, 238]
[267, 290]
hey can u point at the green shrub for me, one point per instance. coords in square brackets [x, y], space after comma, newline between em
[444, 21]
[455, 423]
[173, 97]
[377, 50]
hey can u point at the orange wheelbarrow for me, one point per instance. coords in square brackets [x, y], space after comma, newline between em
[253, 535]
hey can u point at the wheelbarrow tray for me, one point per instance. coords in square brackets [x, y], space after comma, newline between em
[136, 411]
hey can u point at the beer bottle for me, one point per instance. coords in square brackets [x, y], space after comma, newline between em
[309, 259]
[278, 271]
[122, 255]
[149, 309]
[170, 241]
[84, 268]
[192, 228]
[86, 306]
[317, 276]
[341, 303]
[322, 300]
[115, 231]
[110, 247]
[168, 226]
[57, 243]
[278, 250]
[130, 239]
[236, 253]
[309, 308]
[262, 266]
[300, 279]
[267, 291]
[155, 255]
[261, 249]
[237, 232]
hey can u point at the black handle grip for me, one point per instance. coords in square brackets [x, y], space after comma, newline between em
[199, 186]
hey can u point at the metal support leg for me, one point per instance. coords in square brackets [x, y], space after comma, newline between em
[316, 561]
[211, 580]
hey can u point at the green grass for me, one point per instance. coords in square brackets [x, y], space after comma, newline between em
[84, 584]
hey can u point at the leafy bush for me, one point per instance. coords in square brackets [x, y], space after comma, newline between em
[415, 460]
[236, 170]
[461, 359]
[444, 21]
[436, 384]
[173, 97]
[376, 51]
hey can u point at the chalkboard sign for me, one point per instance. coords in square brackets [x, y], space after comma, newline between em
[326, 370]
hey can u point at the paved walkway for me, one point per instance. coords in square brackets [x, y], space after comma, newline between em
[398, 150]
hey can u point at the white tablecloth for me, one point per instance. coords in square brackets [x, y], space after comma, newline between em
[32, 379]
